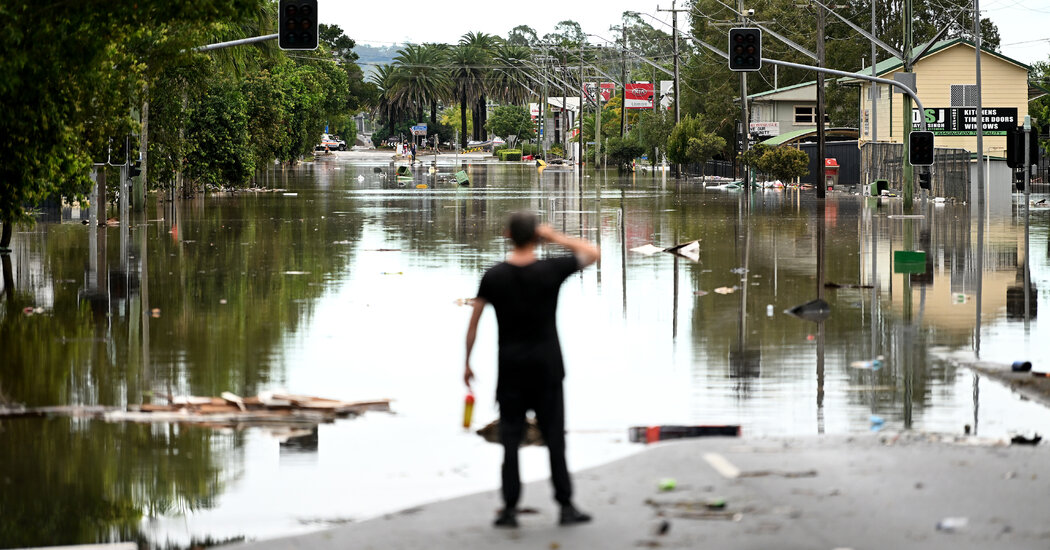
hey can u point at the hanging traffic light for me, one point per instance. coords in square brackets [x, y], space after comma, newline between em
[920, 148]
[298, 25]
[745, 49]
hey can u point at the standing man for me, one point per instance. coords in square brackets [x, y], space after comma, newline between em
[524, 292]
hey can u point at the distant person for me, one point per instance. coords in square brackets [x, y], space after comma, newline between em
[524, 292]
[413, 152]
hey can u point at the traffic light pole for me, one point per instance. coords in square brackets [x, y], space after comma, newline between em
[241, 42]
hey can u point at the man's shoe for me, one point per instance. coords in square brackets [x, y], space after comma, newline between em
[571, 516]
[507, 519]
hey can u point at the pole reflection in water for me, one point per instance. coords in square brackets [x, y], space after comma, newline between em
[821, 213]
[623, 247]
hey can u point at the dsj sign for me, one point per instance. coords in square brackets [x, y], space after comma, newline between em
[962, 121]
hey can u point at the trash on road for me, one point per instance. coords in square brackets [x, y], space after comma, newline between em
[716, 504]
[953, 524]
[651, 434]
[1021, 366]
[667, 484]
[779, 473]
[531, 436]
[813, 310]
[1022, 440]
[462, 178]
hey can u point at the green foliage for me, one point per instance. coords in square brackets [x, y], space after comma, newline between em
[624, 151]
[556, 151]
[652, 131]
[219, 154]
[509, 154]
[689, 142]
[511, 120]
[783, 163]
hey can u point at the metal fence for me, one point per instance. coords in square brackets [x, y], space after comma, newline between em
[720, 168]
[951, 169]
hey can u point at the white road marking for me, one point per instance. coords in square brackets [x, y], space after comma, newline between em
[722, 466]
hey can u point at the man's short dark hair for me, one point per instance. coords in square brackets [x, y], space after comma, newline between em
[522, 228]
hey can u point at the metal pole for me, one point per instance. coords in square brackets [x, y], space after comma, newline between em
[240, 42]
[874, 87]
[980, 172]
[744, 124]
[579, 116]
[1027, 184]
[909, 173]
[821, 153]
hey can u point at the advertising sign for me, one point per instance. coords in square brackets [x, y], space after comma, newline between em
[639, 96]
[765, 129]
[606, 87]
[962, 121]
[666, 94]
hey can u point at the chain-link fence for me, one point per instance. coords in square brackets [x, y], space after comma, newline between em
[951, 169]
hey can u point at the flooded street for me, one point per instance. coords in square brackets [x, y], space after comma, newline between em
[344, 284]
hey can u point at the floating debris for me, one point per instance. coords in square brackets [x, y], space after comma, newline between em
[689, 250]
[530, 436]
[229, 410]
[813, 310]
[464, 301]
[726, 289]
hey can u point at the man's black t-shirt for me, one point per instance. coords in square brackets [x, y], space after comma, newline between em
[525, 299]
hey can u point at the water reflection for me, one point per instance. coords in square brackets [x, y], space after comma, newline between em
[340, 281]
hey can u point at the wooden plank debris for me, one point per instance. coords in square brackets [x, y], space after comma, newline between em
[229, 410]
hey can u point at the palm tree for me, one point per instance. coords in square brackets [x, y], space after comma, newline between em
[468, 65]
[509, 82]
[419, 79]
[383, 78]
[485, 44]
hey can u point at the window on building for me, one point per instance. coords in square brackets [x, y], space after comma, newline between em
[805, 114]
[964, 95]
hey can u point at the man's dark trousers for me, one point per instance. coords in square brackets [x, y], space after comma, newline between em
[547, 402]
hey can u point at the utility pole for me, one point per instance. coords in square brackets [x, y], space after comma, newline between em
[744, 122]
[677, 96]
[980, 176]
[909, 173]
[874, 86]
[623, 77]
[564, 102]
[579, 116]
[821, 152]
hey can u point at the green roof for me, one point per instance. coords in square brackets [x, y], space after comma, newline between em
[784, 89]
[892, 64]
[791, 136]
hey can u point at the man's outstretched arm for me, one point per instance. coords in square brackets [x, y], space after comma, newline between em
[472, 332]
[585, 251]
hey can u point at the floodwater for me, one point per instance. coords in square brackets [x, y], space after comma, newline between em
[344, 284]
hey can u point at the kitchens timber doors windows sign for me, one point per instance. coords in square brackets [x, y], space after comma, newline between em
[962, 121]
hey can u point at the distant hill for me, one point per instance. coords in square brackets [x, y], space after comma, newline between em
[371, 56]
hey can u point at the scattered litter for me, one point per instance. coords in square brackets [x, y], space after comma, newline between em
[290, 194]
[813, 310]
[769, 310]
[874, 364]
[155, 312]
[1021, 366]
[647, 249]
[691, 509]
[711, 514]
[650, 434]
[1041, 374]
[951, 525]
[462, 178]
[716, 504]
[700, 293]
[421, 186]
[531, 435]
[464, 301]
[667, 484]
[663, 528]
[1022, 440]
[876, 420]
[726, 290]
[739, 270]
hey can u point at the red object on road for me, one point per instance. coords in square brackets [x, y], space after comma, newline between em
[652, 434]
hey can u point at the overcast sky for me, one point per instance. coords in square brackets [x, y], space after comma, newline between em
[1024, 25]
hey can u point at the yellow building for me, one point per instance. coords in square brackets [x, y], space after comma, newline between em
[946, 85]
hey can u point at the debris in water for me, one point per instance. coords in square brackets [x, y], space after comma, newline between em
[689, 250]
[700, 293]
[464, 301]
[1022, 440]
[813, 310]
[726, 290]
[874, 364]
[531, 435]
[155, 312]
[951, 525]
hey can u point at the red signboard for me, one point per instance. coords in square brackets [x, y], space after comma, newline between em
[607, 90]
[639, 96]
